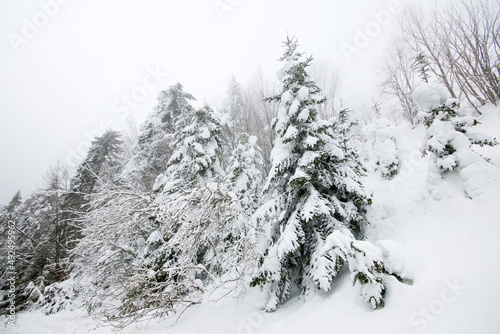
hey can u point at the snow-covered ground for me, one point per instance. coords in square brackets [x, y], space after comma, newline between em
[449, 247]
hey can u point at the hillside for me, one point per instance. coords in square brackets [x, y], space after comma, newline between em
[448, 246]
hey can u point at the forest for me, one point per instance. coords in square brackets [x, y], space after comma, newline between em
[264, 189]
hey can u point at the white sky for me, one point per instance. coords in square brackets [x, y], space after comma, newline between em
[64, 80]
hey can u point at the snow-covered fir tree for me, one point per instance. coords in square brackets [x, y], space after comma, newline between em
[102, 164]
[245, 173]
[421, 65]
[40, 239]
[195, 160]
[382, 135]
[449, 139]
[14, 203]
[314, 200]
[194, 164]
[191, 213]
[155, 143]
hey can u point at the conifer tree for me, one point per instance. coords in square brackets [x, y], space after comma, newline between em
[245, 174]
[15, 202]
[314, 199]
[421, 65]
[155, 143]
[39, 238]
[385, 153]
[450, 141]
[195, 159]
[192, 213]
[102, 164]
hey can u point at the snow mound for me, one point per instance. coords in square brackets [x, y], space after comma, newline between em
[428, 96]
[480, 178]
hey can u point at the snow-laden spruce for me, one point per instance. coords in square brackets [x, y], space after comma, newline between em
[385, 153]
[154, 146]
[202, 236]
[450, 142]
[314, 203]
[245, 173]
[173, 266]
[196, 157]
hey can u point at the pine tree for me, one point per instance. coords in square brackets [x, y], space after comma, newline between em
[450, 141]
[448, 133]
[102, 164]
[15, 202]
[155, 143]
[195, 160]
[422, 65]
[314, 200]
[245, 172]
[39, 239]
[385, 153]
[191, 212]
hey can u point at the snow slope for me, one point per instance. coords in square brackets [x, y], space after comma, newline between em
[449, 247]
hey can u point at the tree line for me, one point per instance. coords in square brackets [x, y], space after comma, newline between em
[266, 190]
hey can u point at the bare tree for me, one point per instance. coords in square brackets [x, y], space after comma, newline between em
[330, 80]
[470, 30]
[262, 114]
[116, 227]
[462, 42]
[399, 80]
[420, 29]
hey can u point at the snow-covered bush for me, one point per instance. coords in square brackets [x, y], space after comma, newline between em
[449, 139]
[245, 172]
[385, 153]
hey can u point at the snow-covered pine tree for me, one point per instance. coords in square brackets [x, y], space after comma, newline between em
[58, 210]
[154, 146]
[194, 164]
[450, 141]
[195, 160]
[385, 153]
[39, 239]
[421, 65]
[191, 212]
[245, 174]
[102, 164]
[15, 202]
[314, 200]
[9, 218]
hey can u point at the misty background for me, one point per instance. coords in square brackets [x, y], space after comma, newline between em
[69, 80]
